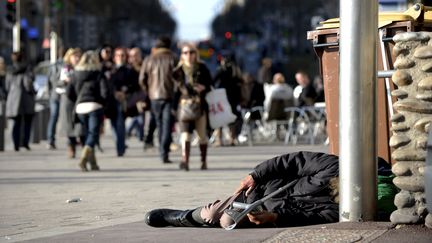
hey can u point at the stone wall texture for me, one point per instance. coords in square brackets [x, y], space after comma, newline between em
[411, 124]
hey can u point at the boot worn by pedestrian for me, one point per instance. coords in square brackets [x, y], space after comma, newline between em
[169, 217]
[203, 150]
[93, 163]
[184, 165]
[71, 151]
[85, 157]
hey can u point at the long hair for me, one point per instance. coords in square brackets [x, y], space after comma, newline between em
[192, 47]
[89, 62]
[69, 53]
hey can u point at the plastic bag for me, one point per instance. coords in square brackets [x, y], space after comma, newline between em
[220, 113]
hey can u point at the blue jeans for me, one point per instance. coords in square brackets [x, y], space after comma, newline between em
[16, 130]
[52, 123]
[162, 112]
[151, 129]
[119, 129]
[138, 124]
[92, 122]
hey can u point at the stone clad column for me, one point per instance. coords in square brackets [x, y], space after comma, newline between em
[411, 124]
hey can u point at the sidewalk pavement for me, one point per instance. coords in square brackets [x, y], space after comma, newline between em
[112, 202]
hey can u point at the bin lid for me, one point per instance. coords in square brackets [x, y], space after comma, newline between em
[412, 14]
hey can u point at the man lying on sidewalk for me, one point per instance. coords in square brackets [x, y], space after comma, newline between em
[312, 198]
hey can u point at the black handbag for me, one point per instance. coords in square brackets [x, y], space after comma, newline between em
[189, 109]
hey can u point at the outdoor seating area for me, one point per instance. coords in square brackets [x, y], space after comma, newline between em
[297, 125]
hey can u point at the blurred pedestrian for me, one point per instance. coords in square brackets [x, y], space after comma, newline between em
[156, 78]
[304, 92]
[73, 130]
[279, 90]
[56, 88]
[88, 90]
[229, 77]
[319, 88]
[278, 96]
[105, 57]
[2, 79]
[265, 74]
[252, 92]
[20, 103]
[194, 81]
[137, 122]
[121, 83]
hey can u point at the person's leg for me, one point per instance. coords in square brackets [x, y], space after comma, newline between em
[121, 131]
[93, 127]
[52, 123]
[151, 129]
[201, 128]
[27, 130]
[140, 126]
[16, 132]
[213, 213]
[156, 107]
[186, 147]
[165, 131]
[85, 153]
[94, 122]
[72, 142]
[209, 215]
[132, 126]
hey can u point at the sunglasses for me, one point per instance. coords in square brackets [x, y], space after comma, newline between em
[188, 52]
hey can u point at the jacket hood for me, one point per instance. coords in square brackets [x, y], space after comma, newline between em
[88, 67]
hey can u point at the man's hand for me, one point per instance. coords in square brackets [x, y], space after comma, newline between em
[119, 95]
[263, 217]
[247, 184]
[199, 88]
[141, 105]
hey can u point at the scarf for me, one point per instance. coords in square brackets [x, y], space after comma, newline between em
[189, 72]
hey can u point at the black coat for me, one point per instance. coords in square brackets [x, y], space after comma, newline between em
[88, 86]
[228, 76]
[201, 76]
[20, 91]
[308, 201]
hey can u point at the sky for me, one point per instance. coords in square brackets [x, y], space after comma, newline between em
[193, 17]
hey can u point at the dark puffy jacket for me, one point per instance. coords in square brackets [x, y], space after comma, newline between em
[308, 201]
[88, 86]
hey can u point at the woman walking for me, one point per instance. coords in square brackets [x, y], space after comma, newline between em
[89, 90]
[70, 59]
[20, 101]
[194, 81]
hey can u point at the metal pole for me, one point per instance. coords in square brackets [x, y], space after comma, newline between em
[53, 47]
[16, 31]
[357, 109]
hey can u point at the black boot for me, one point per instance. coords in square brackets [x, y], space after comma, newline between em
[168, 217]
[203, 149]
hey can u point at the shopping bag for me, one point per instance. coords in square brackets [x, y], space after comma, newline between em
[220, 113]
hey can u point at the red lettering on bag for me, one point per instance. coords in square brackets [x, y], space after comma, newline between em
[216, 108]
[220, 107]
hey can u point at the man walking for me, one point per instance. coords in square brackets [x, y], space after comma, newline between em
[156, 78]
